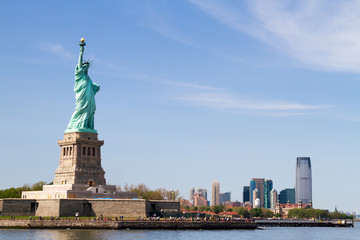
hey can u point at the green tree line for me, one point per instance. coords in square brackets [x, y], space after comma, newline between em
[16, 192]
[144, 192]
[316, 214]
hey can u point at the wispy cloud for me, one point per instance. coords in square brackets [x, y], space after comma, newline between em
[322, 34]
[225, 101]
[218, 99]
[190, 85]
[56, 49]
[162, 27]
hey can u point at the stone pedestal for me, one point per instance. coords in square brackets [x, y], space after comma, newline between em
[79, 174]
[80, 160]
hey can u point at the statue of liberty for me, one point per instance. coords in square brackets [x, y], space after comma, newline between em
[82, 119]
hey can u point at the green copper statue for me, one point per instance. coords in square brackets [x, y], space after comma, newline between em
[82, 119]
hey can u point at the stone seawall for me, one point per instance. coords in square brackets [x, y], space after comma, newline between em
[109, 224]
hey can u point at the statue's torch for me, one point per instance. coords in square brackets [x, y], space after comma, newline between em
[82, 42]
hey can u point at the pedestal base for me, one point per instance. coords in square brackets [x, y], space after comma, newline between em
[80, 160]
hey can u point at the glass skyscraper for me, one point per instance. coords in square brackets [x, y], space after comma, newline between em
[225, 197]
[287, 195]
[268, 186]
[257, 184]
[262, 188]
[303, 186]
[246, 194]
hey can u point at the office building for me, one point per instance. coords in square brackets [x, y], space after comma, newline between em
[268, 186]
[192, 192]
[273, 198]
[256, 196]
[215, 191]
[202, 192]
[199, 200]
[246, 194]
[257, 183]
[225, 197]
[287, 196]
[303, 184]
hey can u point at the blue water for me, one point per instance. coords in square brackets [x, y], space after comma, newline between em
[276, 233]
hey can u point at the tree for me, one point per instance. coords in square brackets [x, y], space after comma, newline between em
[16, 192]
[267, 213]
[218, 208]
[293, 213]
[243, 212]
[144, 192]
[26, 187]
[11, 193]
[256, 212]
[152, 195]
[308, 213]
[38, 186]
[320, 213]
[186, 207]
[337, 215]
[202, 209]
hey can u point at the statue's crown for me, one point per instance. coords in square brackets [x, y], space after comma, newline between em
[88, 62]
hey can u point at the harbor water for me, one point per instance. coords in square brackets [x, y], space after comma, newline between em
[271, 233]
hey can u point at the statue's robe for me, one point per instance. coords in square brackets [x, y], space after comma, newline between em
[85, 90]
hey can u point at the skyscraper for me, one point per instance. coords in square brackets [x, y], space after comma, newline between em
[202, 192]
[287, 195]
[246, 194]
[268, 186]
[257, 183]
[215, 191]
[192, 191]
[256, 195]
[225, 197]
[199, 200]
[303, 185]
[273, 198]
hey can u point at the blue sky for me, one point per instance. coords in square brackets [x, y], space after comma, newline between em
[191, 91]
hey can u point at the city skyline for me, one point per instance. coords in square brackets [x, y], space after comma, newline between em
[234, 90]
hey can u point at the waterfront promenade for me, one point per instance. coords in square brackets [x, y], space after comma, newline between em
[125, 224]
[169, 224]
[306, 223]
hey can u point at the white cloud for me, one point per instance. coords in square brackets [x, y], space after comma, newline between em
[225, 101]
[190, 85]
[56, 49]
[322, 34]
[163, 28]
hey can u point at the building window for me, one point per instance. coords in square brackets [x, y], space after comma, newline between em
[84, 150]
[70, 151]
[64, 151]
[93, 151]
[88, 151]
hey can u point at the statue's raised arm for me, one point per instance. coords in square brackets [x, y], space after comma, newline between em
[82, 45]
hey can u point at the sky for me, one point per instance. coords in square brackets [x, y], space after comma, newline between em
[191, 91]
